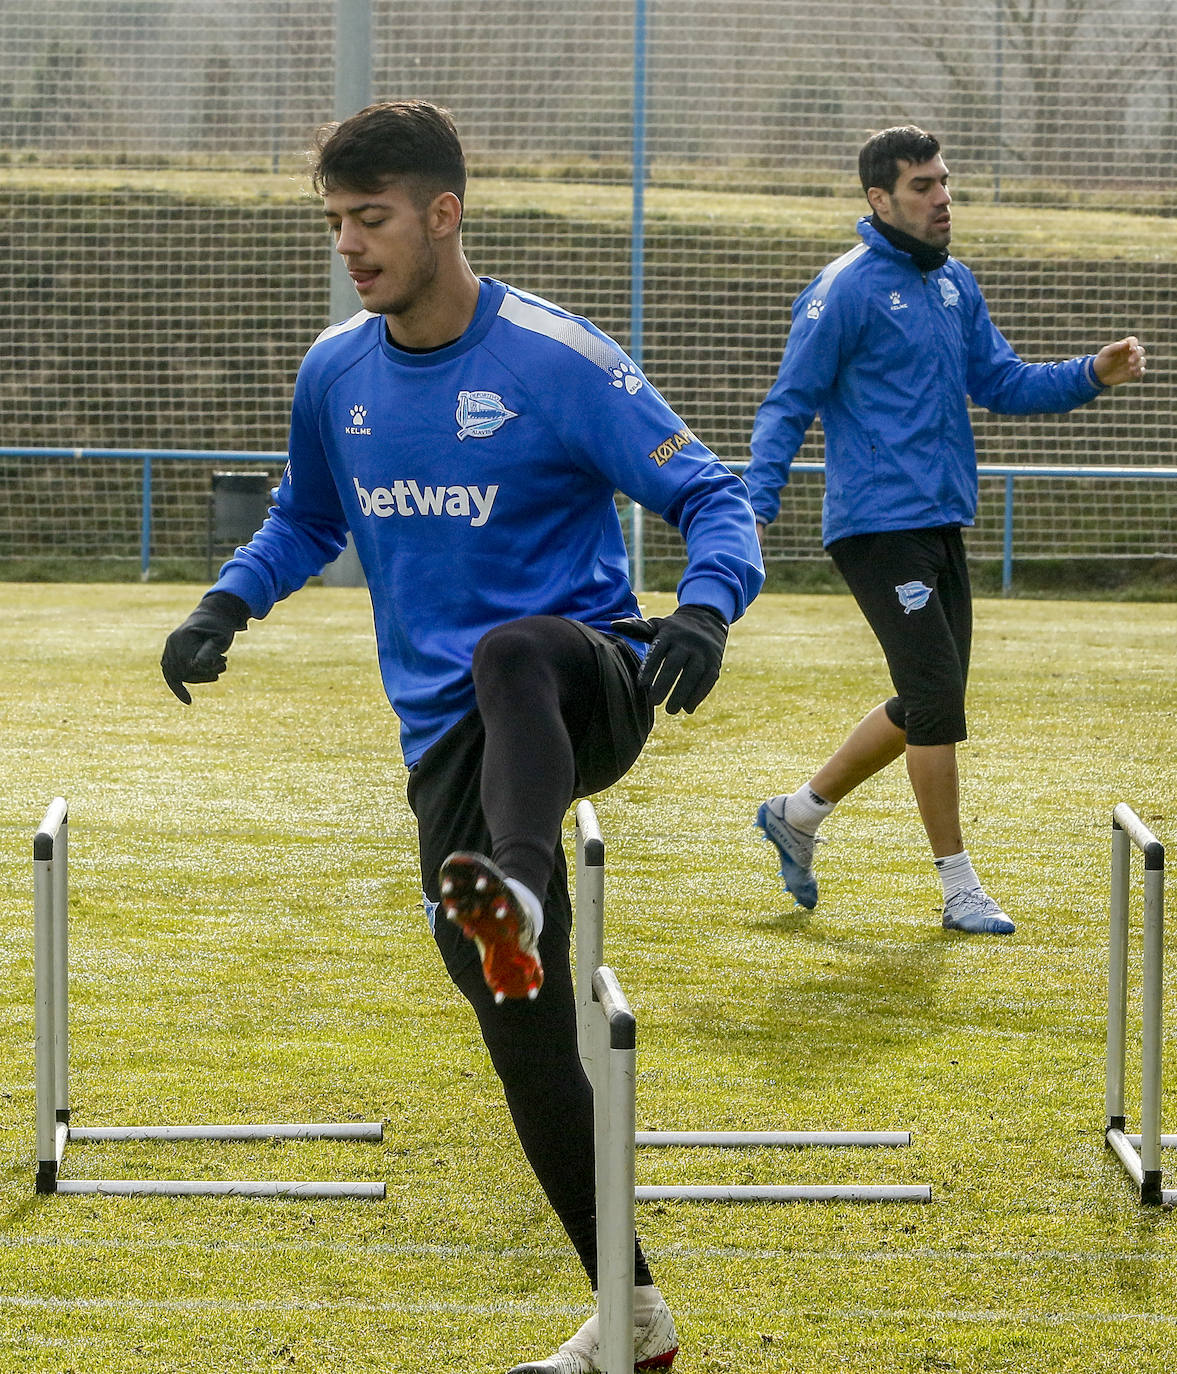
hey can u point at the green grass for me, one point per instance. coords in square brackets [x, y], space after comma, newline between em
[983, 230]
[247, 944]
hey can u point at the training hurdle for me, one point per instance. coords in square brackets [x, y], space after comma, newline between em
[51, 1053]
[590, 928]
[1139, 1154]
[610, 1027]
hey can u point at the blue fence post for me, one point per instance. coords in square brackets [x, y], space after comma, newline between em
[145, 523]
[1007, 547]
[638, 219]
[637, 286]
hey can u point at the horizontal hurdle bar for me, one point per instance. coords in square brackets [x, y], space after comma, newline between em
[783, 1192]
[362, 1130]
[787, 1140]
[155, 1187]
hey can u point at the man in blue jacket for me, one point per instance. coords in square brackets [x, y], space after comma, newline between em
[886, 345]
[471, 437]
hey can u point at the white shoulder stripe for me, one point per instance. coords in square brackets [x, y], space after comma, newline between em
[362, 317]
[562, 328]
[838, 265]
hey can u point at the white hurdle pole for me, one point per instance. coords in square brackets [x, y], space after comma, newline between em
[358, 1130]
[1117, 979]
[1139, 1154]
[590, 928]
[51, 1043]
[51, 1054]
[590, 955]
[796, 1140]
[785, 1192]
[162, 1187]
[613, 1121]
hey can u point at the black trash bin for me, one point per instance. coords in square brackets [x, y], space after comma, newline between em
[237, 506]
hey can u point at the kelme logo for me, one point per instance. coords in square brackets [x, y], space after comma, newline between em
[627, 377]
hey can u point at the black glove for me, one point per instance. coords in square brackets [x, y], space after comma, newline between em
[686, 650]
[195, 651]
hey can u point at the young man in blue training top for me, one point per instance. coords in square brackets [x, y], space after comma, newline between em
[471, 437]
[886, 345]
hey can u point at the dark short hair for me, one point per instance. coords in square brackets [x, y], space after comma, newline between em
[394, 140]
[881, 154]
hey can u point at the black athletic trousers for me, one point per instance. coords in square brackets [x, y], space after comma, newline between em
[559, 716]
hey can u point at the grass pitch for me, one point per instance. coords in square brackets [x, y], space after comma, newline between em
[248, 944]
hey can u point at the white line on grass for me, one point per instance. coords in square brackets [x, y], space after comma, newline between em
[903, 1315]
[670, 1252]
[217, 1306]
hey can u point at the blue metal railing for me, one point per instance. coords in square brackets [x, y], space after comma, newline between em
[1009, 472]
[147, 458]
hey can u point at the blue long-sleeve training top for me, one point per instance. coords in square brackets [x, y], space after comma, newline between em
[478, 481]
[887, 356]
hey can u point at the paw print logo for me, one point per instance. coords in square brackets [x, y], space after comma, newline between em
[816, 306]
[358, 415]
[896, 298]
[627, 376]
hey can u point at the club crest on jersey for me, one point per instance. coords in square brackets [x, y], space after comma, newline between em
[480, 414]
[913, 596]
[948, 292]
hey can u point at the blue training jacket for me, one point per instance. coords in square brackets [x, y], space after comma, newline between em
[886, 355]
[478, 481]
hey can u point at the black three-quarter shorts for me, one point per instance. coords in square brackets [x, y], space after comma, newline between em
[913, 588]
[444, 786]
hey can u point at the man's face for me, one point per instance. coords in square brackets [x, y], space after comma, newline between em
[385, 241]
[919, 204]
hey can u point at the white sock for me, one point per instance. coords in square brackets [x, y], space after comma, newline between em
[585, 1341]
[956, 873]
[529, 902]
[645, 1300]
[804, 810]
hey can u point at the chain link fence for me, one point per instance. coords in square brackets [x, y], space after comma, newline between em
[164, 267]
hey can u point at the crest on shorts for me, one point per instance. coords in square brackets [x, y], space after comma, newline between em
[913, 596]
